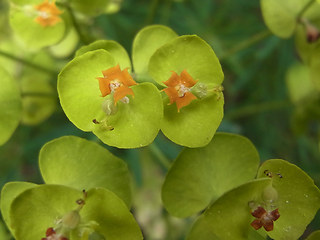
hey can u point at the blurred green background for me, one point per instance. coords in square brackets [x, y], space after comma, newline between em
[257, 103]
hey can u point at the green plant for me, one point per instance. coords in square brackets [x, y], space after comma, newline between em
[172, 86]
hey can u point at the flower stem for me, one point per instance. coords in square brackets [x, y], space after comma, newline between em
[83, 38]
[159, 155]
[304, 9]
[152, 12]
[245, 44]
[28, 63]
[256, 108]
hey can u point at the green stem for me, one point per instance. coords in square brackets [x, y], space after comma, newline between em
[83, 37]
[152, 12]
[257, 108]
[304, 9]
[159, 155]
[28, 63]
[245, 44]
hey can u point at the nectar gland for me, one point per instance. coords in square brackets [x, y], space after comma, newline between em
[116, 82]
[178, 89]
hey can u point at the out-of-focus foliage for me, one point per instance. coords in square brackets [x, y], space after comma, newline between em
[280, 117]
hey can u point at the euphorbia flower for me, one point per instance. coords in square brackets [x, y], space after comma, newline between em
[48, 13]
[117, 82]
[264, 218]
[52, 235]
[178, 89]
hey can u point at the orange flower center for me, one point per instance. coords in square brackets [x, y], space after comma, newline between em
[116, 82]
[178, 89]
[48, 13]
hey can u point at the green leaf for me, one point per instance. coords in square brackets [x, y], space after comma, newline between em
[90, 7]
[115, 220]
[8, 193]
[67, 46]
[22, 20]
[37, 209]
[190, 53]
[229, 217]
[145, 43]
[79, 163]
[81, 100]
[315, 68]
[115, 49]
[195, 124]
[78, 87]
[304, 48]
[281, 16]
[39, 100]
[200, 176]
[298, 200]
[314, 236]
[10, 105]
[135, 124]
[299, 83]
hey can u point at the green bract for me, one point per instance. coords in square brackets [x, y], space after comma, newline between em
[299, 83]
[315, 68]
[298, 198]
[34, 35]
[314, 236]
[37, 209]
[129, 125]
[200, 176]
[229, 217]
[65, 47]
[78, 163]
[10, 106]
[281, 16]
[196, 123]
[145, 43]
[304, 48]
[8, 193]
[90, 7]
[114, 48]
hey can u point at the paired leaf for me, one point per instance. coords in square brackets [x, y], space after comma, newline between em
[281, 17]
[79, 163]
[10, 105]
[314, 236]
[8, 193]
[315, 68]
[200, 176]
[195, 124]
[34, 35]
[115, 49]
[65, 47]
[298, 200]
[145, 43]
[299, 83]
[135, 124]
[229, 217]
[90, 7]
[37, 209]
